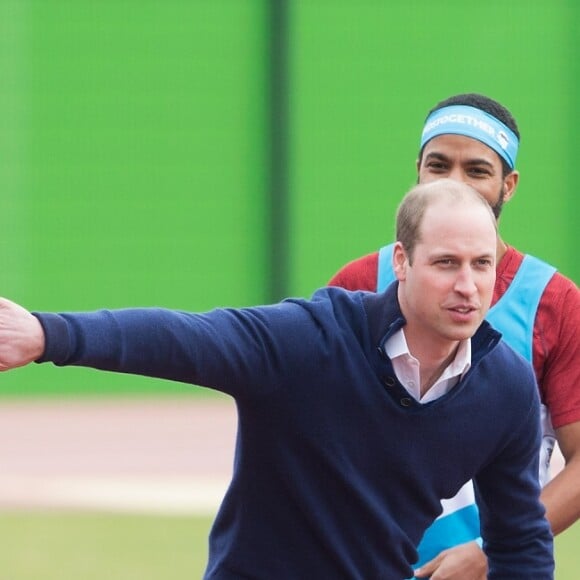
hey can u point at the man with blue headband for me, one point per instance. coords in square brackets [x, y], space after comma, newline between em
[474, 139]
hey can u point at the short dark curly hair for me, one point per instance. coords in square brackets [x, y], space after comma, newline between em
[486, 104]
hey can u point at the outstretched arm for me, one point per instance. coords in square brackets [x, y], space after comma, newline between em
[237, 351]
[21, 336]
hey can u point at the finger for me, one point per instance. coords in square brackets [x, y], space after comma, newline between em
[427, 569]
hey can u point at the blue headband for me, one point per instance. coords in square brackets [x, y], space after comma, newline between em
[474, 123]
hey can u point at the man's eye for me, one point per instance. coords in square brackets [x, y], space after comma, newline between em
[479, 171]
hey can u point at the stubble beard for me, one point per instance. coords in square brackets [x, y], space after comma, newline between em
[498, 205]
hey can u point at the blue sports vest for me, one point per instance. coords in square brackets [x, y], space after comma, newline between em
[513, 315]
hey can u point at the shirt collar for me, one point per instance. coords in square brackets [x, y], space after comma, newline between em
[396, 346]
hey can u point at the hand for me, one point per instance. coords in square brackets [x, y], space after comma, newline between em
[21, 336]
[463, 562]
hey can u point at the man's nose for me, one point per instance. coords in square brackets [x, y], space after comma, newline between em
[465, 281]
[457, 174]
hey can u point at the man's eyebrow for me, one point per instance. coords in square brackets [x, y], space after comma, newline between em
[479, 161]
[435, 155]
[436, 254]
[473, 161]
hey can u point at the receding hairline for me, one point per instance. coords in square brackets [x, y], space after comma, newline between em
[450, 190]
[415, 204]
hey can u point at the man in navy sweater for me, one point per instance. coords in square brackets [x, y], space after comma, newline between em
[339, 469]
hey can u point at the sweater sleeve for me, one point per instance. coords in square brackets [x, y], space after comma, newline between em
[507, 492]
[226, 349]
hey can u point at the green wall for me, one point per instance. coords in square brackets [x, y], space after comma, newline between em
[364, 76]
[135, 168]
[134, 164]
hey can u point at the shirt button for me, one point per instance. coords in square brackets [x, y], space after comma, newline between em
[406, 402]
[389, 381]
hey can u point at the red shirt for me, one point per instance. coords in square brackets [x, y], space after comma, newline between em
[556, 347]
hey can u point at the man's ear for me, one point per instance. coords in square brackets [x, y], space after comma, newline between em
[400, 261]
[510, 184]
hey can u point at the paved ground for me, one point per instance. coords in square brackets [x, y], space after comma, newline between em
[165, 455]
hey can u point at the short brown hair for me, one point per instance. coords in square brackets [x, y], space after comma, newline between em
[413, 206]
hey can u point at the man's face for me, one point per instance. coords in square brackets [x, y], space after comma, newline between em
[470, 161]
[446, 291]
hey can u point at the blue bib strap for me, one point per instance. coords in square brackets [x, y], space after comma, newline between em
[514, 313]
[385, 274]
[456, 528]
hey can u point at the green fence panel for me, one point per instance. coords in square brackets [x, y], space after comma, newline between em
[364, 75]
[133, 161]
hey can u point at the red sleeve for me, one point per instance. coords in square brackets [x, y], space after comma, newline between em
[557, 350]
[360, 274]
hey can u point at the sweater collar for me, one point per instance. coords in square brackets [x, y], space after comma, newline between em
[385, 318]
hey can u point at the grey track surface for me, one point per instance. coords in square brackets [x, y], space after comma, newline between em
[168, 455]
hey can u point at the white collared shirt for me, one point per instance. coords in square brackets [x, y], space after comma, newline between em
[407, 367]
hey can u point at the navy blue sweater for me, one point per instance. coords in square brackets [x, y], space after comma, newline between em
[337, 470]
